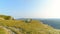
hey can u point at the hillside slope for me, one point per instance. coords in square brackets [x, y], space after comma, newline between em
[22, 27]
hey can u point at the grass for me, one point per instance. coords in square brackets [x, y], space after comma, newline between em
[21, 27]
[2, 31]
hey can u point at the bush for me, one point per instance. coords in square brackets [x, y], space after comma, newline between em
[28, 20]
[6, 17]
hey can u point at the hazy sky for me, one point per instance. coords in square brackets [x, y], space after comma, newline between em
[31, 8]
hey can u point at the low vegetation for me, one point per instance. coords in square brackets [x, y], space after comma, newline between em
[25, 27]
[4, 17]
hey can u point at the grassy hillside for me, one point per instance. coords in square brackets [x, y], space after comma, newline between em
[21, 27]
[25, 27]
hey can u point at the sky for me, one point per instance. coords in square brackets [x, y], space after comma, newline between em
[30, 8]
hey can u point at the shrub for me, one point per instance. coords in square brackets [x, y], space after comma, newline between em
[28, 20]
[6, 17]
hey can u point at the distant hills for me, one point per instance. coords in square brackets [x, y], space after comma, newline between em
[52, 22]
